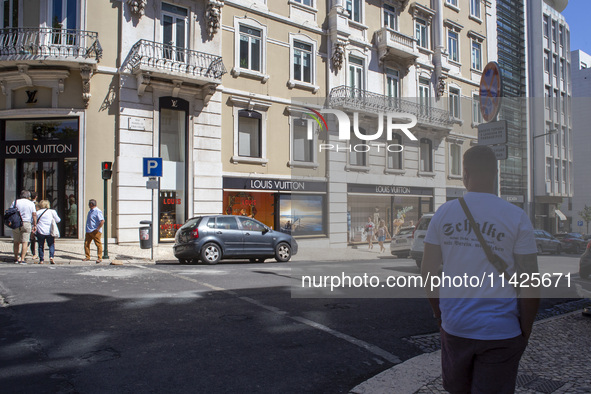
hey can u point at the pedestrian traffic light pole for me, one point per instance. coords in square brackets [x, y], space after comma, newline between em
[106, 174]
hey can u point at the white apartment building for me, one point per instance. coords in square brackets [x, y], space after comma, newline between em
[550, 119]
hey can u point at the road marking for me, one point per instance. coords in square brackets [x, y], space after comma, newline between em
[352, 340]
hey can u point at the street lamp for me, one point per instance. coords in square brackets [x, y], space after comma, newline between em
[533, 178]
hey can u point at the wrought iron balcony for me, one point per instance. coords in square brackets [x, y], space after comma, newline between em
[172, 62]
[363, 100]
[25, 44]
[396, 46]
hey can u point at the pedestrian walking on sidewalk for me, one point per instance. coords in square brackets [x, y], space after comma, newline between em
[33, 240]
[22, 235]
[94, 230]
[369, 230]
[46, 217]
[382, 234]
[484, 329]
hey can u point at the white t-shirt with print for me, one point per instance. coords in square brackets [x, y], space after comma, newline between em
[480, 312]
[26, 208]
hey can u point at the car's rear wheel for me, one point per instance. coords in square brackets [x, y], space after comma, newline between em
[211, 253]
[282, 252]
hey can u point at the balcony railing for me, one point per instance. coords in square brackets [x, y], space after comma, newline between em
[168, 58]
[363, 100]
[43, 43]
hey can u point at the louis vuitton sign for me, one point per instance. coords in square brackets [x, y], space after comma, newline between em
[49, 149]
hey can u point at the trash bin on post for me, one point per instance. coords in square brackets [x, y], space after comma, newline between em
[146, 235]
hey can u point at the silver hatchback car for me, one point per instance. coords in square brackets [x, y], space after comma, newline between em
[401, 242]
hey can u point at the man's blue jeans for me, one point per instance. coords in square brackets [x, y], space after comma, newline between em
[50, 242]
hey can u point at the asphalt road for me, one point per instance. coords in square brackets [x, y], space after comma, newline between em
[227, 328]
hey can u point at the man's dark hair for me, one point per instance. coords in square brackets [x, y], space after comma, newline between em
[92, 202]
[34, 195]
[481, 160]
[25, 194]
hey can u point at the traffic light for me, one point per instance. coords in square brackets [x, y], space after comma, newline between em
[107, 171]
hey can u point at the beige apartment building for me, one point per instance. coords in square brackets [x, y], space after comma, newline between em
[241, 99]
[57, 117]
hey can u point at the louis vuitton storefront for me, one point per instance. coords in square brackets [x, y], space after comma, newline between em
[41, 155]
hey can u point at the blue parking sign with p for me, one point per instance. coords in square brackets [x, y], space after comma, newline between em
[152, 166]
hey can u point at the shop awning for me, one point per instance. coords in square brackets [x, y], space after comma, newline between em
[560, 215]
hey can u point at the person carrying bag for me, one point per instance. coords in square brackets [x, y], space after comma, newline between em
[47, 220]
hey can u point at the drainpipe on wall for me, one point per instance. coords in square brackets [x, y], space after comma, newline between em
[437, 26]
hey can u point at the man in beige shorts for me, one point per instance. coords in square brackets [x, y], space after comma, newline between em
[22, 235]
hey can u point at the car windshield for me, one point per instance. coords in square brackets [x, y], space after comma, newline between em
[423, 223]
[191, 224]
[406, 231]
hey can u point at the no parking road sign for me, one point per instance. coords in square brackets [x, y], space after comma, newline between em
[152, 166]
[491, 89]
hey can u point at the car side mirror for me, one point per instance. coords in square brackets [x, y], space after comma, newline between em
[266, 230]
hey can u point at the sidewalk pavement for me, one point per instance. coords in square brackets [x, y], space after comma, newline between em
[555, 361]
[71, 252]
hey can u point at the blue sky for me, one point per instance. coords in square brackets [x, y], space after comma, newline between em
[578, 14]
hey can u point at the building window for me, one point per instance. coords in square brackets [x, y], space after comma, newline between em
[10, 13]
[390, 17]
[309, 3]
[426, 155]
[452, 46]
[565, 138]
[424, 96]
[302, 62]
[547, 61]
[554, 31]
[561, 35]
[548, 169]
[557, 170]
[555, 66]
[64, 13]
[476, 55]
[421, 33]
[548, 134]
[302, 144]
[392, 83]
[564, 172]
[250, 48]
[547, 97]
[562, 69]
[354, 10]
[563, 100]
[454, 102]
[556, 100]
[357, 156]
[475, 8]
[356, 74]
[394, 158]
[249, 133]
[455, 159]
[174, 32]
[476, 114]
[546, 26]
[452, 2]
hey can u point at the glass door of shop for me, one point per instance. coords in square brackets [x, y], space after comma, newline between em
[54, 181]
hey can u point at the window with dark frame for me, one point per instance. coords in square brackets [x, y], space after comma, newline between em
[249, 133]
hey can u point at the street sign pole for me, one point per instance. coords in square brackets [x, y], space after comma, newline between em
[106, 227]
[152, 170]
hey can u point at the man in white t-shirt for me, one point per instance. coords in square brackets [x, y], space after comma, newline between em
[22, 235]
[484, 327]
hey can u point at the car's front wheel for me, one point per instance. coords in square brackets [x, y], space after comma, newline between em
[211, 253]
[282, 252]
